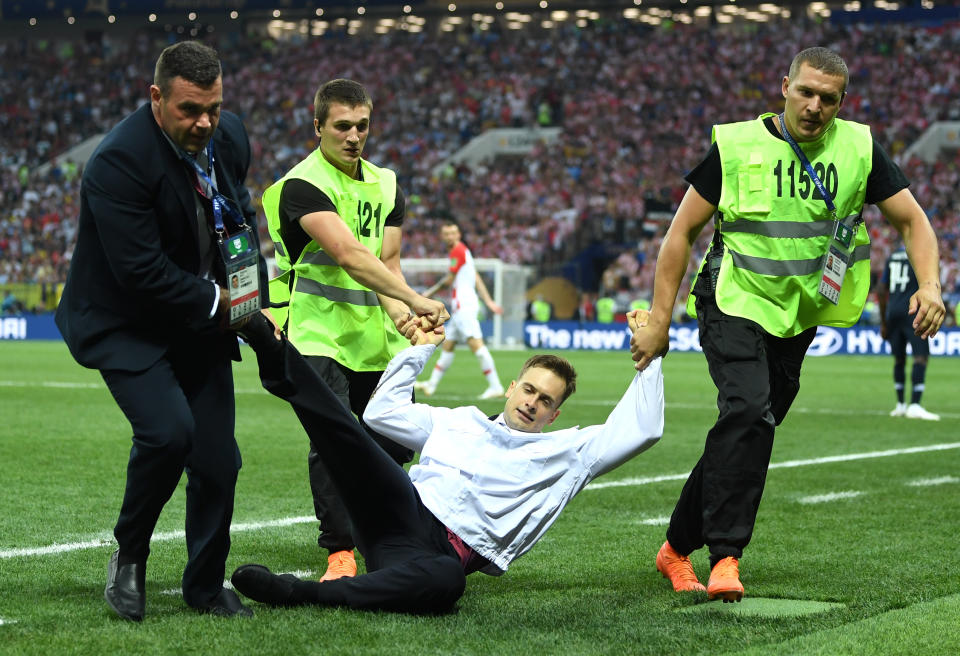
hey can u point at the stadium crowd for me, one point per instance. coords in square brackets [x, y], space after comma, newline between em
[636, 105]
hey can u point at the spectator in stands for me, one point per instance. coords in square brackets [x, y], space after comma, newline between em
[10, 304]
[433, 103]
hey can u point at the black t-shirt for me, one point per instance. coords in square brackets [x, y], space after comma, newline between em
[299, 198]
[884, 181]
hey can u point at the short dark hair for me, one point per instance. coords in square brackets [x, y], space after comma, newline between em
[347, 92]
[193, 61]
[822, 59]
[561, 367]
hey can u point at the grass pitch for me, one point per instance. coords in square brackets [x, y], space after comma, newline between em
[860, 510]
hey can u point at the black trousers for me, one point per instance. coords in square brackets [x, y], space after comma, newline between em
[181, 410]
[757, 377]
[354, 389]
[411, 565]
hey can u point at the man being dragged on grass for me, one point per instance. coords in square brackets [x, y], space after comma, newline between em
[484, 491]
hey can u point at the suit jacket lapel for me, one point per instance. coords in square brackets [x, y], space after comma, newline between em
[181, 181]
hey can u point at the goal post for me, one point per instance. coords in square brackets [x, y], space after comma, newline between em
[507, 284]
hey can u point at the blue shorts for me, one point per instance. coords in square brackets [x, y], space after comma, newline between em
[900, 333]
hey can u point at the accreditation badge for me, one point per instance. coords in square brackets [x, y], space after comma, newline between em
[240, 258]
[834, 268]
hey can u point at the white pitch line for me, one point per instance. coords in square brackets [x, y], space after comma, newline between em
[54, 548]
[655, 521]
[473, 400]
[786, 464]
[98, 386]
[6, 621]
[451, 398]
[830, 496]
[924, 482]
[626, 482]
[164, 536]
[68, 385]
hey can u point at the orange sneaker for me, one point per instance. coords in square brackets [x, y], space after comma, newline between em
[725, 581]
[339, 565]
[678, 569]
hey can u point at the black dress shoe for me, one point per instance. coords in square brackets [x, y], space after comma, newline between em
[260, 584]
[226, 604]
[125, 588]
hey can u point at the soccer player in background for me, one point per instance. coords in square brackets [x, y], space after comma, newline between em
[897, 286]
[468, 289]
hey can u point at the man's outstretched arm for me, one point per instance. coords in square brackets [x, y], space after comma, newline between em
[390, 411]
[636, 422]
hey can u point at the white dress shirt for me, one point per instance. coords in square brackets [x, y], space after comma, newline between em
[500, 489]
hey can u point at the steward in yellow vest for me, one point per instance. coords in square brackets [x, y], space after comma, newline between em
[775, 232]
[335, 219]
[606, 307]
[330, 313]
[790, 252]
[639, 304]
[540, 310]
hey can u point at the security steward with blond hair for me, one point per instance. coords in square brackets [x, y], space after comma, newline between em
[790, 252]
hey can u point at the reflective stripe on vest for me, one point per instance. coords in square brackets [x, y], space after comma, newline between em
[318, 257]
[786, 229]
[768, 267]
[337, 294]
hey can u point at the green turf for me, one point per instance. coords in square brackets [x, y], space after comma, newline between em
[889, 556]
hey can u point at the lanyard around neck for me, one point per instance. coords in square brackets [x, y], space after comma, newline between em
[808, 167]
[220, 202]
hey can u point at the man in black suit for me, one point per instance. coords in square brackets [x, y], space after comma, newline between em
[146, 302]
